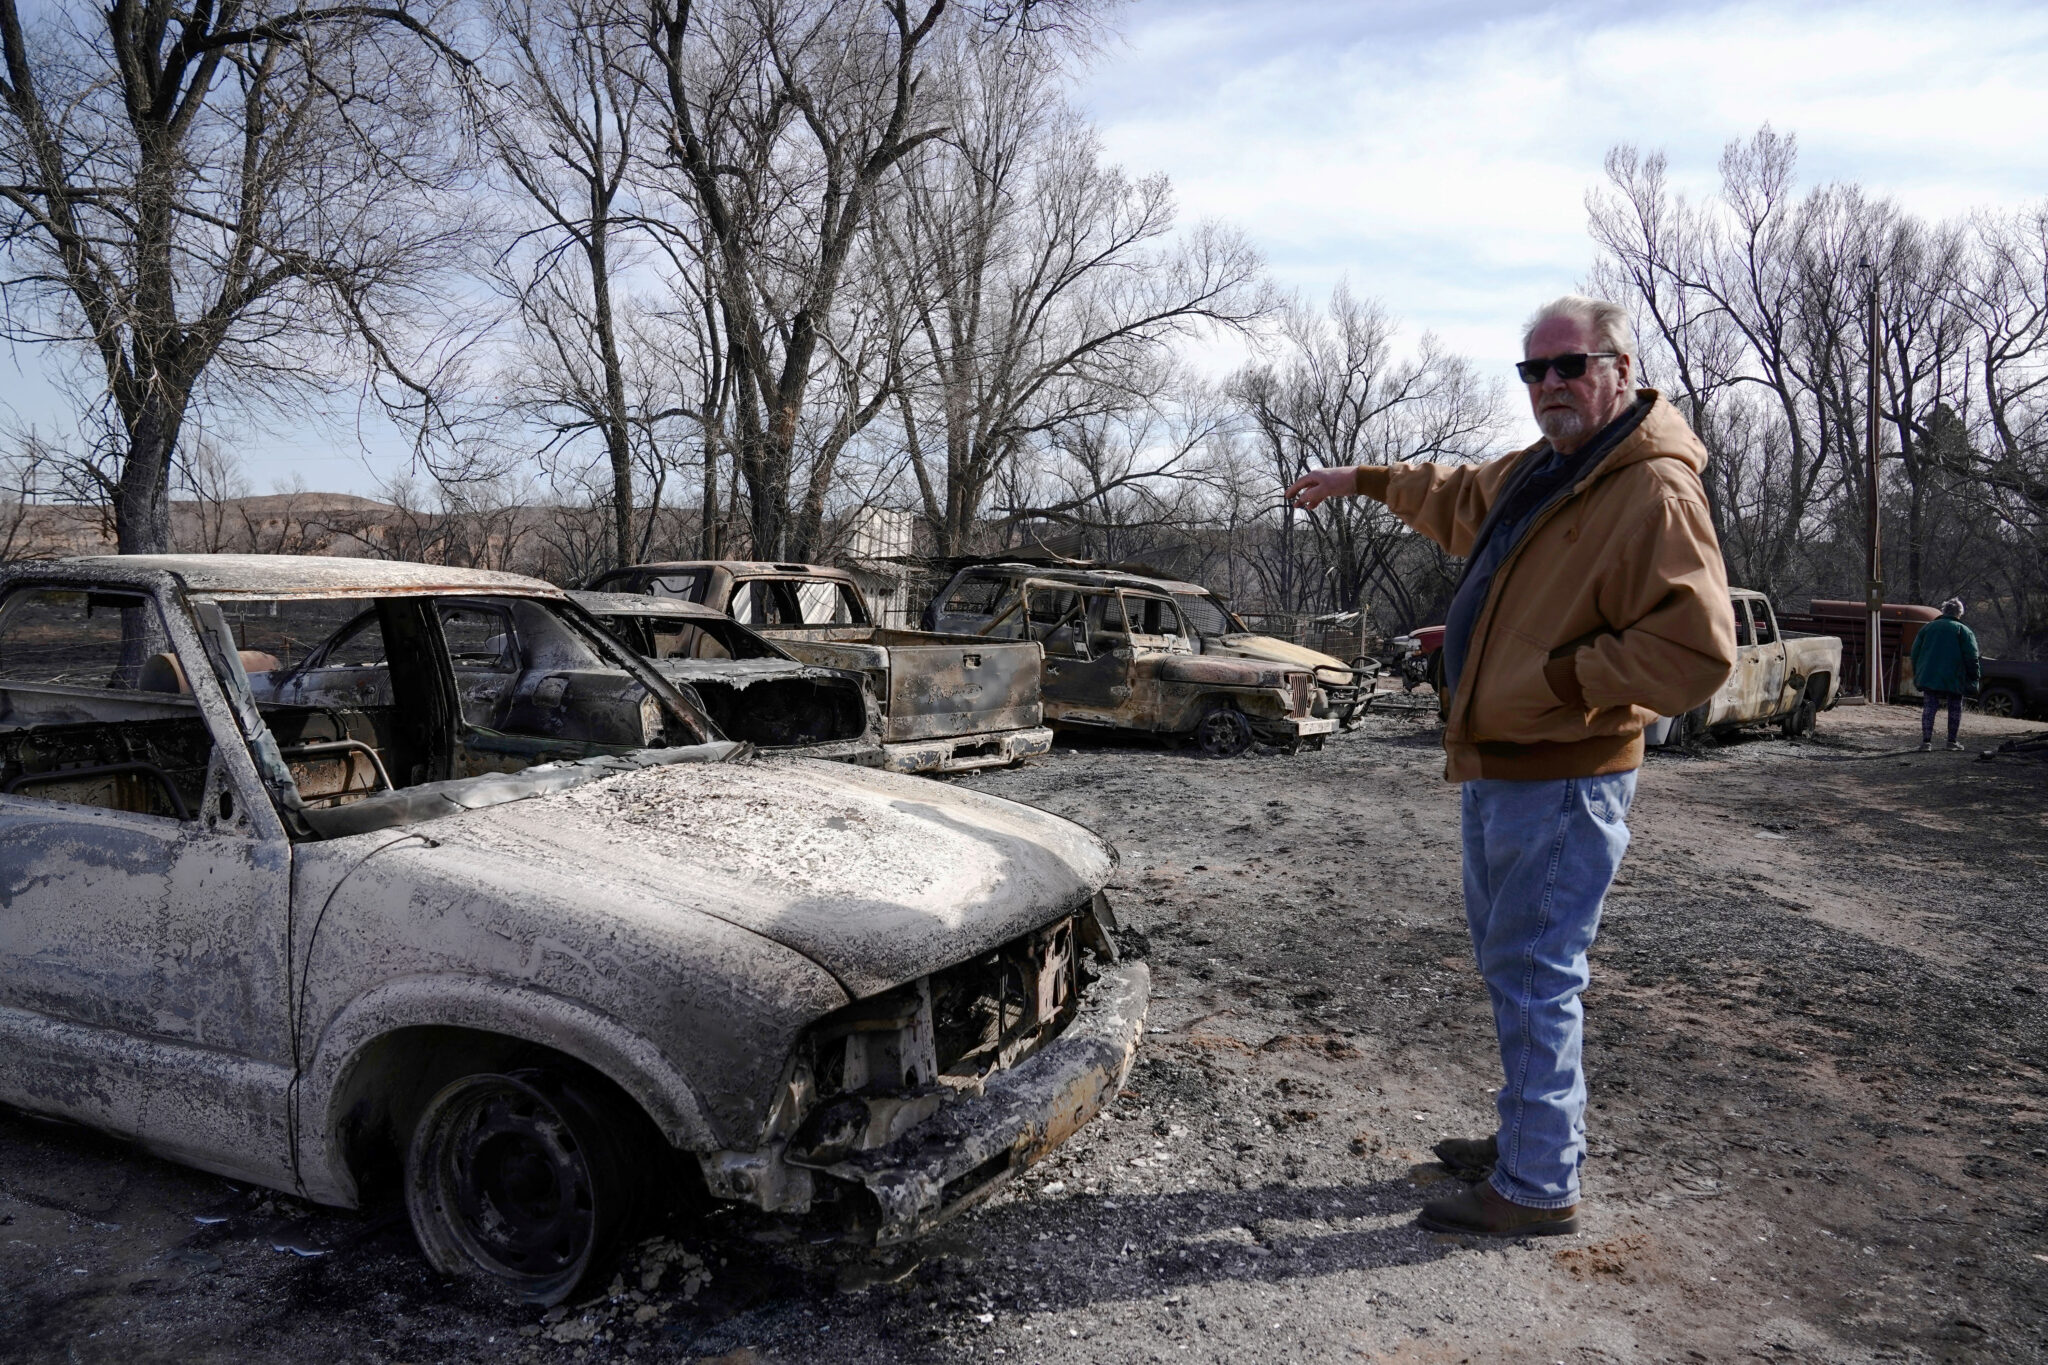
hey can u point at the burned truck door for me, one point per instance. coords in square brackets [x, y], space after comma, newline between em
[483, 649]
[1759, 680]
[1156, 623]
[349, 669]
[1087, 649]
[1772, 665]
[1158, 631]
[143, 902]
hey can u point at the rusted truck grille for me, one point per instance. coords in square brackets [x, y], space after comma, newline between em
[1299, 684]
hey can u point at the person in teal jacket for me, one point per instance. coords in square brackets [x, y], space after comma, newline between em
[1944, 669]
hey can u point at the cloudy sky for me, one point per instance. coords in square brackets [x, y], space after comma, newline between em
[1437, 153]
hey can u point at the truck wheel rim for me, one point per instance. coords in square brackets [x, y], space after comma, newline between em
[501, 1184]
[1223, 733]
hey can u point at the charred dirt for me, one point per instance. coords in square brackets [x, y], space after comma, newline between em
[1818, 1051]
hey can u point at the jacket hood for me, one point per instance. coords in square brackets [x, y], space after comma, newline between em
[1661, 435]
[879, 878]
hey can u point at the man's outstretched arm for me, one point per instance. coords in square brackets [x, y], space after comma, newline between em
[1446, 502]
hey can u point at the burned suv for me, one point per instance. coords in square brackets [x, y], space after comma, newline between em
[315, 872]
[1122, 654]
[963, 605]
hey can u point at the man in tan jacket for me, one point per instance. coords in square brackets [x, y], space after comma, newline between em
[1594, 599]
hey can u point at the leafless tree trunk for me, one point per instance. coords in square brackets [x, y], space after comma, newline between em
[563, 126]
[1655, 246]
[1341, 396]
[1756, 303]
[572, 98]
[2005, 294]
[1924, 371]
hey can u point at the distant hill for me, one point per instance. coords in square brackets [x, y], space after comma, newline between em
[277, 523]
[559, 542]
[300, 504]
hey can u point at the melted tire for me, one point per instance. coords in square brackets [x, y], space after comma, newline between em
[1223, 733]
[1798, 723]
[522, 1180]
[1687, 731]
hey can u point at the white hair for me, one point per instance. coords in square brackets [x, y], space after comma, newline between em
[1612, 331]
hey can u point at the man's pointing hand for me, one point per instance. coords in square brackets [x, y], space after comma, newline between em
[1318, 484]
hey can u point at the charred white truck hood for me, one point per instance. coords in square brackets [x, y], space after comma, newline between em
[876, 877]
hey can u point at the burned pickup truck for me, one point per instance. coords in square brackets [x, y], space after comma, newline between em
[1781, 677]
[949, 704]
[530, 947]
[753, 690]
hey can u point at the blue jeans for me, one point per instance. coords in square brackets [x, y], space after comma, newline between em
[1930, 702]
[1538, 858]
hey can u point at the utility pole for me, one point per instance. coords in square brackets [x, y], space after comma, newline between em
[1874, 585]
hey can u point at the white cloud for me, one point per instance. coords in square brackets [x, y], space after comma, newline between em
[1439, 156]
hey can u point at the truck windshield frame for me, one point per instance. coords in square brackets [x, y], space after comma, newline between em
[371, 743]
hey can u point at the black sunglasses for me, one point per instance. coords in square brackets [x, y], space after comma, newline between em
[1568, 366]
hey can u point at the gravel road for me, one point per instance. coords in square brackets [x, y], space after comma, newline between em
[1817, 1042]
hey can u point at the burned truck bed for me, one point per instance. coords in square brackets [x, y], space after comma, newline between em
[948, 703]
[939, 688]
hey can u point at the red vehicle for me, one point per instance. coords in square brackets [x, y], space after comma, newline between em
[1849, 621]
[1419, 657]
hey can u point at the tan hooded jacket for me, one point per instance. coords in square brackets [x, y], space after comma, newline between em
[1612, 611]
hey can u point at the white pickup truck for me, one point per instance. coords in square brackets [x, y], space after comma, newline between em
[1785, 677]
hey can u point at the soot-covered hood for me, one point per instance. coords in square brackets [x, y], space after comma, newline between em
[877, 877]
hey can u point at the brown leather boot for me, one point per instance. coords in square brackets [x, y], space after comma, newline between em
[1482, 1212]
[1469, 1158]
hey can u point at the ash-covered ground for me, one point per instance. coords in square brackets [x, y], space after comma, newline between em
[1817, 1040]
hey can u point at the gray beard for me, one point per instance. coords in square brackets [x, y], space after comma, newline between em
[1561, 426]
